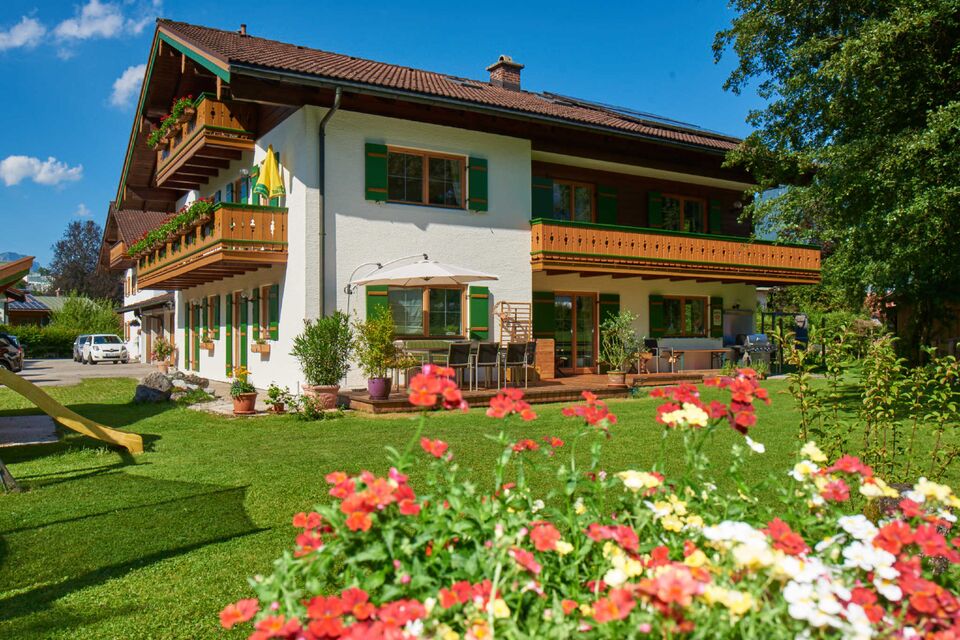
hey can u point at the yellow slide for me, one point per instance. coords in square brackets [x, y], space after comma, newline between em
[67, 418]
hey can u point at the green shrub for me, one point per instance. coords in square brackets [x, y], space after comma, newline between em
[323, 349]
[43, 342]
[86, 315]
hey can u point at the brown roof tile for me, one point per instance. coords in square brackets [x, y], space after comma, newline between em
[132, 224]
[234, 48]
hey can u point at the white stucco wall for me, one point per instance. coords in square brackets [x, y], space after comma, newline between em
[359, 231]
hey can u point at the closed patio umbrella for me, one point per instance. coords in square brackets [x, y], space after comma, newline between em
[423, 273]
[269, 183]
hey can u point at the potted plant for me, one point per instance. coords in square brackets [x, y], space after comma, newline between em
[207, 341]
[162, 350]
[243, 393]
[619, 344]
[261, 346]
[278, 398]
[376, 352]
[323, 350]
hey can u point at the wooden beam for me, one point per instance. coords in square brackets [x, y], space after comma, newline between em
[153, 193]
[183, 63]
[208, 151]
[191, 170]
[219, 88]
[216, 163]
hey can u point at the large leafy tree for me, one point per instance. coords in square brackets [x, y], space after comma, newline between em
[862, 117]
[75, 262]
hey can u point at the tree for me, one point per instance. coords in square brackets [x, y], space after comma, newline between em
[75, 259]
[862, 117]
[85, 315]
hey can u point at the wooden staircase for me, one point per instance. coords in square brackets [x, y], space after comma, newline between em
[515, 320]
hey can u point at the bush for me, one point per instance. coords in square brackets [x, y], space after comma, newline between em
[323, 349]
[630, 554]
[375, 349]
[80, 314]
[43, 342]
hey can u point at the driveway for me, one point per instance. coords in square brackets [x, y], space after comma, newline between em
[56, 372]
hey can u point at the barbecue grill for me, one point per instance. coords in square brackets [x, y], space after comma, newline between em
[753, 346]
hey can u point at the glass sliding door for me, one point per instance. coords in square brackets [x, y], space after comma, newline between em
[575, 320]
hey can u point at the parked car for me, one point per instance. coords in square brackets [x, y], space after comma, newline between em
[11, 353]
[78, 347]
[104, 347]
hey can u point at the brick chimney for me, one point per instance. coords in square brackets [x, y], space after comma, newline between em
[243, 29]
[505, 73]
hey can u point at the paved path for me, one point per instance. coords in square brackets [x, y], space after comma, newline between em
[56, 372]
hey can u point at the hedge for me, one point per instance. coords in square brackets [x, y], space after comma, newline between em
[43, 342]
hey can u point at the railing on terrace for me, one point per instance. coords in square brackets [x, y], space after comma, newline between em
[236, 238]
[598, 248]
[118, 255]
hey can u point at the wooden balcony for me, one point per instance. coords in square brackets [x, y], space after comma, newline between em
[118, 256]
[596, 249]
[216, 134]
[237, 238]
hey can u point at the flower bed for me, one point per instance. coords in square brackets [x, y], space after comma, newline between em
[186, 217]
[614, 555]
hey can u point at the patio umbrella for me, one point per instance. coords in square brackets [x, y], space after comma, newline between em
[423, 273]
[269, 182]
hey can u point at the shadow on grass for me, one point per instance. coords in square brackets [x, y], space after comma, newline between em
[102, 526]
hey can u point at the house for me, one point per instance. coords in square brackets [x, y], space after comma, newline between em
[33, 309]
[147, 314]
[12, 272]
[581, 209]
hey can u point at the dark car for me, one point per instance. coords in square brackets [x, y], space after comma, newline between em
[11, 353]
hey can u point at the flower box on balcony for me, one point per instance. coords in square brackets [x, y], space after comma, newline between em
[208, 346]
[263, 348]
[187, 115]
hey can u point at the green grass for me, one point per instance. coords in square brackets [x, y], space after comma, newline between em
[107, 545]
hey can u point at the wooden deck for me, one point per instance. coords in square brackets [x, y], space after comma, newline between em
[559, 390]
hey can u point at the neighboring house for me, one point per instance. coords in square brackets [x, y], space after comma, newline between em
[33, 309]
[146, 313]
[11, 273]
[581, 209]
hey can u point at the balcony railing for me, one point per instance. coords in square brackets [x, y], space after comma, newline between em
[118, 256]
[235, 239]
[215, 134]
[561, 246]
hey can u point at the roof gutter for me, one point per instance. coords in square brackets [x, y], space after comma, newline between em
[321, 187]
[359, 87]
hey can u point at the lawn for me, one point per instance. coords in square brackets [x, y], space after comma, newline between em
[107, 545]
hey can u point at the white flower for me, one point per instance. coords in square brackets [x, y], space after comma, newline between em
[639, 480]
[866, 557]
[858, 526]
[615, 577]
[939, 492]
[414, 628]
[756, 447]
[537, 506]
[888, 589]
[803, 470]
[812, 452]
[660, 508]
[826, 543]
[946, 515]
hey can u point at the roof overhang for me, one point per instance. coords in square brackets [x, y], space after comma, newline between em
[13, 272]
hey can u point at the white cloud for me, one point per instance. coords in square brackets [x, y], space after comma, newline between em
[16, 169]
[82, 211]
[127, 85]
[26, 33]
[98, 19]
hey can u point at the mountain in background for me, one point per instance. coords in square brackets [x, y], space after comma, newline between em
[10, 256]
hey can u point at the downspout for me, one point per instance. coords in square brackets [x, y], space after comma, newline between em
[321, 187]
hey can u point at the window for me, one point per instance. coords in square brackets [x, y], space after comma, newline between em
[684, 214]
[426, 312]
[424, 178]
[573, 201]
[685, 316]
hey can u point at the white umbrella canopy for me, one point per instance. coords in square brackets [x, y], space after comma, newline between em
[423, 273]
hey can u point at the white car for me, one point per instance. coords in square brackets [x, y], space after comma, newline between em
[103, 347]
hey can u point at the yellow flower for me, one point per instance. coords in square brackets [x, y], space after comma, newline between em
[563, 547]
[694, 522]
[446, 633]
[671, 523]
[679, 506]
[939, 492]
[499, 608]
[696, 559]
[479, 629]
[812, 452]
[739, 602]
[586, 611]
[878, 489]
[638, 480]
[579, 508]
[695, 416]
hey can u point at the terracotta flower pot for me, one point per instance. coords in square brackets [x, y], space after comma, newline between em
[379, 388]
[326, 395]
[244, 404]
[163, 367]
[616, 379]
[279, 408]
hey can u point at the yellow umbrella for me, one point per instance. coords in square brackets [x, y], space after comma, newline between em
[269, 183]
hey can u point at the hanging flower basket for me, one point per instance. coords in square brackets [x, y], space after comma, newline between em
[187, 115]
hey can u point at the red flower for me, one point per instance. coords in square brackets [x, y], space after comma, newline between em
[850, 464]
[616, 606]
[526, 445]
[675, 585]
[594, 412]
[568, 606]
[868, 600]
[324, 614]
[275, 627]
[355, 602]
[307, 543]
[526, 560]
[544, 536]
[241, 611]
[436, 448]
[931, 541]
[785, 539]
[307, 521]
[621, 534]
[508, 402]
[553, 441]
[893, 537]
[400, 612]
[836, 491]
[911, 509]
[359, 521]
[423, 390]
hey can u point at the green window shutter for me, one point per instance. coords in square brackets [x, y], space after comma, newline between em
[274, 307]
[376, 299]
[256, 314]
[479, 313]
[477, 184]
[716, 317]
[216, 317]
[376, 172]
[187, 318]
[542, 200]
[544, 315]
[196, 337]
[229, 333]
[655, 209]
[607, 205]
[609, 306]
[203, 317]
[243, 331]
[658, 320]
[715, 219]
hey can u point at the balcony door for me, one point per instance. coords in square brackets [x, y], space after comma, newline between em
[575, 315]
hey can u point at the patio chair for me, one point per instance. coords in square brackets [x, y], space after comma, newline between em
[458, 359]
[488, 357]
[516, 358]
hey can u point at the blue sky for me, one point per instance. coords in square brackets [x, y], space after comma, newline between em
[70, 90]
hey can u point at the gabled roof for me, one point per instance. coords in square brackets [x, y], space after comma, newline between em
[12, 272]
[132, 224]
[37, 303]
[227, 50]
